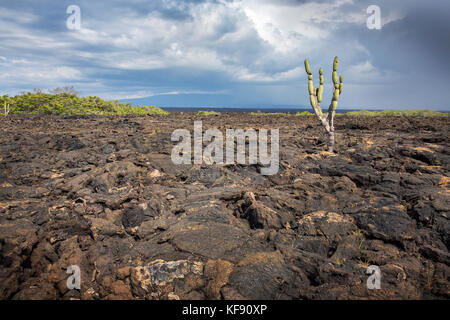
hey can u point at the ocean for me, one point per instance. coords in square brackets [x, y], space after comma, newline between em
[264, 110]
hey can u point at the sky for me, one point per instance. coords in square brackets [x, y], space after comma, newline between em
[230, 53]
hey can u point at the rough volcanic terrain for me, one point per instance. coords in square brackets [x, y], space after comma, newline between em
[102, 193]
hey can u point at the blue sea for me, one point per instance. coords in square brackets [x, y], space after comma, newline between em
[248, 109]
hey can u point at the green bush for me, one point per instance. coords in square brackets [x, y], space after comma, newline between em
[259, 113]
[398, 113]
[71, 104]
[304, 113]
[207, 113]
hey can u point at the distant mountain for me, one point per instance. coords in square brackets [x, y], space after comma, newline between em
[184, 100]
[189, 100]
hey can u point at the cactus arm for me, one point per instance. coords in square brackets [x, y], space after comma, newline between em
[313, 93]
[308, 70]
[320, 90]
[337, 89]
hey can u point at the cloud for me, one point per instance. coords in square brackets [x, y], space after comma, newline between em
[248, 49]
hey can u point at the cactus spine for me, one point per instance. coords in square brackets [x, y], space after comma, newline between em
[316, 96]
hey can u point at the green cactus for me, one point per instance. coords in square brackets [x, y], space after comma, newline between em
[336, 95]
[335, 78]
[308, 70]
[316, 96]
[320, 93]
[311, 87]
[320, 89]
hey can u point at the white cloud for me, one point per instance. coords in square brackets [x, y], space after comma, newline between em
[248, 42]
[254, 41]
[35, 74]
[365, 73]
[21, 16]
[189, 92]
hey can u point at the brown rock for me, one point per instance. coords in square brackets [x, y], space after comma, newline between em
[218, 272]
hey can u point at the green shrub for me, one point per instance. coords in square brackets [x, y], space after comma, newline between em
[268, 113]
[70, 104]
[304, 113]
[399, 113]
[207, 113]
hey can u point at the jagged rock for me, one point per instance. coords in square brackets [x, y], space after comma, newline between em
[261, 216]
[149, 227]
[134, 215]
[218, 273]
[331, 225]
[387, 227]
[103, 227]
[160, 272]
[435, 254]
[262, 276]
[210, 240]
[103, 194]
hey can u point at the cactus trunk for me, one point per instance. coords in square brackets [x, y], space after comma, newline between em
[331, 141]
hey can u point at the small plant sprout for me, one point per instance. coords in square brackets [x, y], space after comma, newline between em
[316, 95]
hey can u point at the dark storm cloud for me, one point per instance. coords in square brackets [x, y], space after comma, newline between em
[250, 49]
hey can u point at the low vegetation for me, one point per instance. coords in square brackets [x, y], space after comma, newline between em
[304, 113]
[398, 113]
[207, 113]
[65, 103]
[259, 113]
